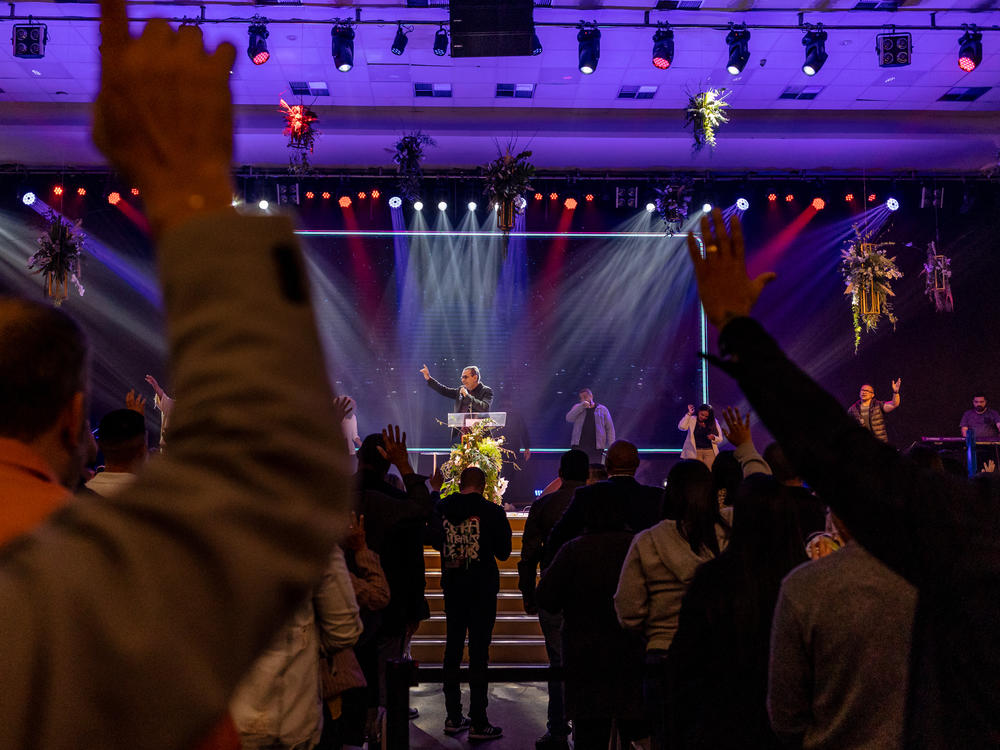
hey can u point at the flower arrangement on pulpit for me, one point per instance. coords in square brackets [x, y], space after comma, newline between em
[478, 448]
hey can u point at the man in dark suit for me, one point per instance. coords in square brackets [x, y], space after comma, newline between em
[641, 506]
[472, 395]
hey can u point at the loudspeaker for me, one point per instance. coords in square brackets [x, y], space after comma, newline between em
[491, 28]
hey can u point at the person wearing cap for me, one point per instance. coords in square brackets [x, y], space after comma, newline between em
[121, 436]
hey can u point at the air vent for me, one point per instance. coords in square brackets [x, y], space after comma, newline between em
[678, 5]
[515, 90]
[432, 89]
[801, 92]
[309, 88]
[637, 92]
[962, 94]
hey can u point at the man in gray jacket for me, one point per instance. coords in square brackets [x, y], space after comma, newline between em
[593, 430]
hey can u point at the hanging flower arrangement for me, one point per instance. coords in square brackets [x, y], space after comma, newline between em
[868, 274]
[58, 257]
[478, 448]
[672, 203]
[508, 178]
[409, 152]
[706, 113]
[299, 121]
[937, 271]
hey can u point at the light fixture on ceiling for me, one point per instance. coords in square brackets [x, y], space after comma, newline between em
[742, 204]
[257, 46]
[418, 205]
[663, 47]
[892, 204]
[395, 202]
[441, 42]
[738, 40]
[442, 206]
[399, 42]
[342, 36]
[814, 41]
[970, 49]
[590, 47]
[29, 39]
[472, 206]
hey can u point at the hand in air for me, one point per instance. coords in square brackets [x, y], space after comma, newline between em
[425, 372]
[393, 447]
[342, 408]
[737, 429]
[896, 384]
[725, 289]
[355, 539]
[690, 410]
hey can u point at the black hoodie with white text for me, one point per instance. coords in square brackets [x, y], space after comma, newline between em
[471, 533]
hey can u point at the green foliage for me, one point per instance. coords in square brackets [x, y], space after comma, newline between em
[867, 270]
[706, 113]
[508, 177]
[478, 448]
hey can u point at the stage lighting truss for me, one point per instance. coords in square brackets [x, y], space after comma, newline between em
[738, 40]
[970, 49]
[29, 39]
[257, 45]
[441, 42]
[663, 47]
[342, 46]
[589, 52]
[814, 40]
[893, 50]
[400, 40]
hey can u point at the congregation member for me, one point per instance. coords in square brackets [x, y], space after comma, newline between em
[349, 424]
[938, 531]
[593, 429]
[542, 516]
[121, 437]
[870, 412]
[811, 508]
[839, 649]
[472, 534]
[228, 532]
[659, 566]
[703, 434]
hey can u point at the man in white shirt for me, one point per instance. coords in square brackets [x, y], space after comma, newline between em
[121, 436]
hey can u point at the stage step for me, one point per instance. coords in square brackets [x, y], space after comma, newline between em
[508, 623]
[505, 649]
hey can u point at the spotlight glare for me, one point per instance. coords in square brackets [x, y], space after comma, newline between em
[738, 40]
[376, 194]
[871, 197]
[538, 196]
[772, 197]
[819, 204]
[326, 196]
[395, 202]
[570, 203]
[362, 195]
[970, 50]
[399, 43]
[849, 197]
[441, 42]
[257, 46]
[553, 196]
[789, 198]
[815, 43]
[310, 195]
[706, 207]
[135, 192]
[344, 201]
[114, 198]
[589, 197]
[263, 205]
[442, 206]
[589, 51]
[28, 198]
[342, 47]
[650, 207]
[892, 204]
[742, 204]
[81, 191]
[663, 48]
[418, 205]
[57, 190]
[472, 206]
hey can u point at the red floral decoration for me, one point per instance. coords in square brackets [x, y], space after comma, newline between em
[298, 125]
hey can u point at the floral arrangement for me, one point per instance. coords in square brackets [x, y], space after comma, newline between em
[477, 448]
[706, 113]
[868, 274]
[58, 257]
[409, 152]
[299, 121]
[672, 203]
[509, 177]
[937, 269]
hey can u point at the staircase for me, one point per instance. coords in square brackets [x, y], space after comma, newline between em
[517, 637]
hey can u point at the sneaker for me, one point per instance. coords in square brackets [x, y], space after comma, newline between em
[485, 732]
[549, 741]
[454, 726]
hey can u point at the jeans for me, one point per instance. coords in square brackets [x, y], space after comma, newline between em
[552, 629]
[470, 607]
[655, 694]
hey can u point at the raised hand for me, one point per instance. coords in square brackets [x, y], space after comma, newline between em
[342, 408]
[393, 448]
[355, 539]
[135, 402]
[737, 427]
[725, 289]
[164, 116]
[990, 466]
[160, 393]
[896, 384]
[690, 410]
[425, 372]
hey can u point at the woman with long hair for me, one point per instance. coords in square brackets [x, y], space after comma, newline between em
[719, 656]
[704, 434]
[660, 564]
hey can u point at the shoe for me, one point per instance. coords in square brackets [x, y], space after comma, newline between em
[414, 714]
[454, 726]
[485, 732]
[549, 741]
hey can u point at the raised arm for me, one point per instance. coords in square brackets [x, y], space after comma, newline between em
[576, 412]
[894, 404]
[442, 389]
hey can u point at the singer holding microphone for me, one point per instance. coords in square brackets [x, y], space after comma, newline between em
[472, 395]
